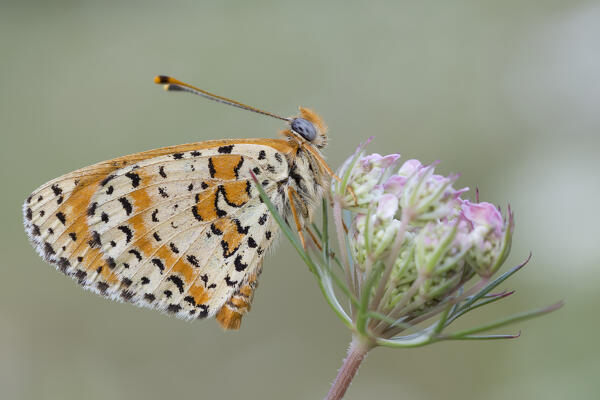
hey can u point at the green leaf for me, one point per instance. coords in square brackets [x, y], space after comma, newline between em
[506, 321]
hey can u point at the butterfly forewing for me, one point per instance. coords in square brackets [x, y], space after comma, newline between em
[180, 229]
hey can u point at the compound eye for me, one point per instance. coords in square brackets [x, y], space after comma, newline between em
[304, 128]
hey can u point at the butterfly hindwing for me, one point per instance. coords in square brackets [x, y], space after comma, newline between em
[179, 229]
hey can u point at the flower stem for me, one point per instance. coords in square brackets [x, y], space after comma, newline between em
[356, 354]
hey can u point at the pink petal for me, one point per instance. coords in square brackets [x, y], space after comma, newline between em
[394, 184]
[387, 207]
[483, 214]
[410, 167]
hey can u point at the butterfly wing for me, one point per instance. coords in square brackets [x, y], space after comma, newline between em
[179, 229]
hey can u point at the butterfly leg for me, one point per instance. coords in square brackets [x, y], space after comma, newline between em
[291, 194]
[314, 239]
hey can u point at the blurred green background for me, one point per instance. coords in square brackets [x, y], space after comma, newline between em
[505, 93]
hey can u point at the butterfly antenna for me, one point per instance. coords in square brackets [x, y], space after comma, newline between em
[174, 85]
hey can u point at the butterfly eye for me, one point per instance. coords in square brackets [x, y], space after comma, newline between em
[304, 128]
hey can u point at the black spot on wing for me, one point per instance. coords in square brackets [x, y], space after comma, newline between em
[163, 192]
[127, 231]
[241, 229]
[29, 214]
[177, 282]
[211, 168]
[195, 153]
[80, 275]
[215, 230]
[161, 171]
[236, 169]
[104, 217]
[57, 190]
[111, 262]
[107, 179]
[190, 299]
[73, 236]
[262, 219]
[63, 264]
[193, 260]
[239, 265]
[196, 214]
[177, 156]
[61, 217]
[102, 287]
[174, 248]
[95, 240]
[149, 297]
[225, 149]
[229, 282]
[110, 190]
[92, 209]
[248, 189]
[251, 242]
[173, 308]
[278, 157]
[126, 295]
[136, 253]
[126, 205]
[221, 213]
[154, 213]
[135, 178]
[156, 236]
[262, 155]
[226, 252]
[158, 262]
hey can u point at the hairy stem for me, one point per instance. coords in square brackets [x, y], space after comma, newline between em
[356, 354]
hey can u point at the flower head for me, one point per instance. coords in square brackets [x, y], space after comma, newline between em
[414, 237]
[408, 244]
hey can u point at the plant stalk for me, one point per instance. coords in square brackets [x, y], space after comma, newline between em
[356, 354]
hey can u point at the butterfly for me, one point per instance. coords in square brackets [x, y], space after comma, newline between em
[181, 229]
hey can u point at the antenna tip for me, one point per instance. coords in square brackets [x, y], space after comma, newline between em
[160, 79]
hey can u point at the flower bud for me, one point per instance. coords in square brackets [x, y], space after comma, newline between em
[490, 236]
[365, 178]
[425, 195]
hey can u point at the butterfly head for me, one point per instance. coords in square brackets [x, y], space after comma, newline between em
[308, 127]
